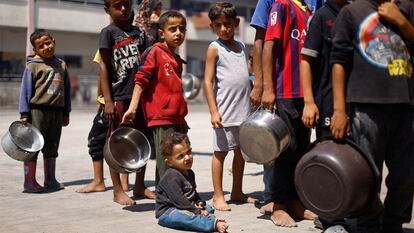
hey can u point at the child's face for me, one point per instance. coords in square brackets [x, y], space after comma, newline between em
[119, 10]
[181, 157]
[44, 47]
[224, 27]
[174, 32]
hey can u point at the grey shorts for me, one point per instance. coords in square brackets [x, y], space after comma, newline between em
[226, 138]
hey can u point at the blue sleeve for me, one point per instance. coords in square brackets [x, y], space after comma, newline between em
[26, 92]
[68, 101]
[261, 14]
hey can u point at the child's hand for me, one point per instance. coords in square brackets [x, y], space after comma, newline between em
[269, 99]
[339, 125]
[65, 121]
[216, 120]
[204, 213]
[391, 13]
[110, 110]
[310, 116]
[128, 117]
[256, 96]
[24, 120]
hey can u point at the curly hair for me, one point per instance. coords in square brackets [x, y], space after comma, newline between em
[171, 140]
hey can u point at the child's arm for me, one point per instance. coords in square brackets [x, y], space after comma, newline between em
[390, 12]
[256, 95]
[339, 122]
[269, 97]
[105, 83]
[209, 76]
[129, 115]
[26, 92]
[310, 115]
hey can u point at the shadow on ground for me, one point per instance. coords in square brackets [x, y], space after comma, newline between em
[141, 207]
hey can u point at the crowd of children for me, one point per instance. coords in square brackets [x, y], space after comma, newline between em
[346, 71]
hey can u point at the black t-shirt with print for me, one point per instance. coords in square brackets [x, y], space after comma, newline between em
[375, 53]
[125, 48]
[318, 45]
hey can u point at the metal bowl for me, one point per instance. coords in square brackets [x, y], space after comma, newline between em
[127, 150]
[22, 142]
[191, 86]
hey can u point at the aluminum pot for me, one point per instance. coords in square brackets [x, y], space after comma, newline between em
[191, 86]
[336, 180]
[22, 142]
[127, 150]
[263, 136]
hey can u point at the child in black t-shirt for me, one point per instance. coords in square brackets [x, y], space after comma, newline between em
[178, 204]
[372, 69]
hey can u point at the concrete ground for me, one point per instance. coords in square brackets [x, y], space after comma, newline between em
[68, 211]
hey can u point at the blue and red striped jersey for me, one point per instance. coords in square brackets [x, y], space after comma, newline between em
[287, 24]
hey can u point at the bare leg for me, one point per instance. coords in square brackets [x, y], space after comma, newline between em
[125, 182]
[139, 188]
[299, 212]
[120, 196]
[217, 173]
[280, 217]
[238, 170]
[98, 183]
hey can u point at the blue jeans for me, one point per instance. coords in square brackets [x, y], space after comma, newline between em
[186, 220]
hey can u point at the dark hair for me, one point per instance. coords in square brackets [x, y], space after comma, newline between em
[225, 8]
[106, 2]
[37, 34]
[171, 140]
[167, 15]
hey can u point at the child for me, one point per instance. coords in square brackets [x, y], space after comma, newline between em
[372, 68]
[315, 74]
[45, 103]
[229, 104]
[285, 34]
[178, 204]
[120, 47]
[158, 81]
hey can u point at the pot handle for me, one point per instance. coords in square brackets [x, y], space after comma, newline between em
[356, 147]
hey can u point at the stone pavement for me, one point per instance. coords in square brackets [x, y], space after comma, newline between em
[68, 211]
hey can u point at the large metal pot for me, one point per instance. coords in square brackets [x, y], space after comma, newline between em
[263, 136]
[22, 142]
[336, 180]
[127, 150]
[191, 86]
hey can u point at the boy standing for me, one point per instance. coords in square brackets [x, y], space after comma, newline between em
[158, 81]
[178, 204]
[286, 32]
[226, 71]
[120, 47]
[45, 103]
[372, 46]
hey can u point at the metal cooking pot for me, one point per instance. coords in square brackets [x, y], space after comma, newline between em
[22, 142]
[191, 86]
[336, 180]
[127, 150]
[263, 136]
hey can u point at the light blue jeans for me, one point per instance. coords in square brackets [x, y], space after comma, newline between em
[186, 220]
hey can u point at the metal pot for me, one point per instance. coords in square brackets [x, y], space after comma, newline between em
[127, 150]
[263, 136]
[191, 86]
[336, 180]
[22, 142]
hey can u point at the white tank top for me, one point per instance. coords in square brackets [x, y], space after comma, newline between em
[232, 85]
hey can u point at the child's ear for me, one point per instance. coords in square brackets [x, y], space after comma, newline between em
[106, 10]
[167, 161]
[236, 22]
[160, 33]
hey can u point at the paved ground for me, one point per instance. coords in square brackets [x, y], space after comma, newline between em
[68, 211]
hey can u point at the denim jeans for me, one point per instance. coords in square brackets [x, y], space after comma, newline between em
[186, 220]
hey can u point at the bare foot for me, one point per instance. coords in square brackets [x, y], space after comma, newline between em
[144, 192]
[280, 217]
[92, 187]
[125, 182]
[220, 204]
[241, 197]
[221, 225]
[267, 209]
[123, 199]
[300, 212]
